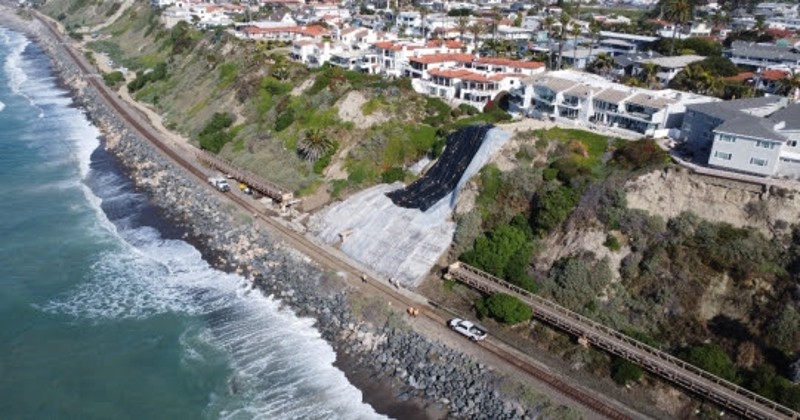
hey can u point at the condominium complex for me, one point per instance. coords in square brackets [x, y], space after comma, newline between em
[590, 100]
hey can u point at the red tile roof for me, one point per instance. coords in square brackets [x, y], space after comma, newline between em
[741, 77]
[774, 74]
[442, 58]
[511, 63]
[448, 44]
[313, 30]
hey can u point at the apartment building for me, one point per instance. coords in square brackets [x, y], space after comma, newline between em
[589, 100]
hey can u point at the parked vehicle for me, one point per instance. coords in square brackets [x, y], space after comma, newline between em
[467, 328]
[219, 183]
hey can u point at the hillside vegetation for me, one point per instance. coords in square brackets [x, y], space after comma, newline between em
[282, 120]
[557, 223]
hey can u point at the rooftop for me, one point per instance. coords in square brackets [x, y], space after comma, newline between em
[675, 62]
[750, 126]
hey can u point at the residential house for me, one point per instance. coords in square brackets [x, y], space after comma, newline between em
[616, 43]
[756, 136]
[465, 78]
[668, 67]
[287, 33]
[760, 56]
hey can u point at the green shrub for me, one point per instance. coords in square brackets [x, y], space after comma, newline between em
[227, 74]
[553, 207]
[711, 358]
[113, 79]
[549, 174]
[159, 72]
[640, 154]
[393, 174]
[505, 308]
[612, 243]
[214, 135]
[576, 281]
[438, 112]
[467, 109]
[275, 86]
[569, 168]
[623, 371]
[504, 252]
[284, 120]
[323, 162]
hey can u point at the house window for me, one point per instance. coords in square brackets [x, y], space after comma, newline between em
[723, 155]
[765, 144]
[792, 143]
[727, 138]
[758, 161]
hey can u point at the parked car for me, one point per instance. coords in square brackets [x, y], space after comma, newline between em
[467, 328]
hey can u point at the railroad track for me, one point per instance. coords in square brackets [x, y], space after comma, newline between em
[319, 253]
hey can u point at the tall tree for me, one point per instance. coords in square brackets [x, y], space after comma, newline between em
[575, 31]
[476, 30]
[462, 24]
[790, 86]
[602, 64]
[423, 15]
[594, 31]
[678, 12]
[547, 24]
[564, 20]
[649, 75]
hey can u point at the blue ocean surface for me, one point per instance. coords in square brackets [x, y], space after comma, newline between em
[105, 313]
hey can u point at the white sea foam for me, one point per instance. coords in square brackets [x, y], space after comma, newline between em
[2, 106]
[16, 45]
[281, 367]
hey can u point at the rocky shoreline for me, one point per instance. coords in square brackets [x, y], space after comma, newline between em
[387, 354]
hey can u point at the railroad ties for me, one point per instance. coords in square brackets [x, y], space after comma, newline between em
[722, 392]
[270, 190]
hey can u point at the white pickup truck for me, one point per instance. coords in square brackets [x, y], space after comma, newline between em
[219, 183]
[466, 328]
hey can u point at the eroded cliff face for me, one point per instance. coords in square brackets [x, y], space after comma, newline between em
[668, 193]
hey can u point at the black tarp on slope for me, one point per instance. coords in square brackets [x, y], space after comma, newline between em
[443, 177]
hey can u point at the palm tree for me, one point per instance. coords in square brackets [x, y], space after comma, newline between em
[547, 24]
[649, 75]
[462, 24]
[423, 13]
[790, 86]
[602, 64]
[575, 32]
[476, 30]
[564, 20]
[594, 30]
[678, 12]
[314, 145]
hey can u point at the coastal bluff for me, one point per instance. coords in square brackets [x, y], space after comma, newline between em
[419, 369]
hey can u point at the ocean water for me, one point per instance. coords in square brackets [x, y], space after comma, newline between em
[104, 312]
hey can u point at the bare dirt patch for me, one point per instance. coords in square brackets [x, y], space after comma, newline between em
[350, 110]
[298, 90]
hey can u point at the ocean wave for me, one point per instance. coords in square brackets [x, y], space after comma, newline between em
[282, 368]
[2, 106]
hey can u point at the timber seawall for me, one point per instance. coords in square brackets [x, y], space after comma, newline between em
[418, 368]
